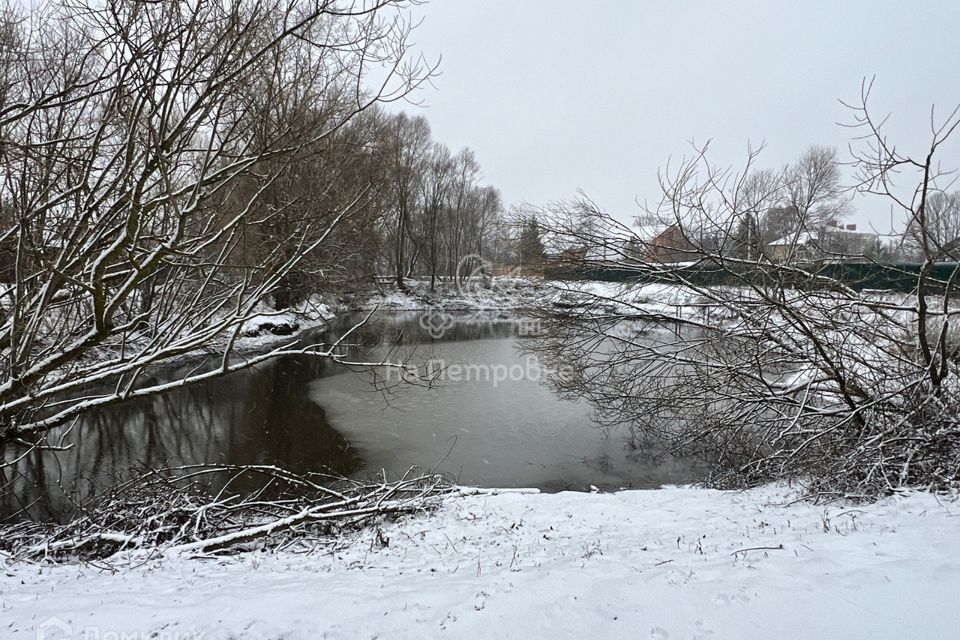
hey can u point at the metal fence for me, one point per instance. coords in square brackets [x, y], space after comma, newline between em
[901, 277]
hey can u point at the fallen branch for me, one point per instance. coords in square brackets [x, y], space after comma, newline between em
[201, 510]
[779, 547]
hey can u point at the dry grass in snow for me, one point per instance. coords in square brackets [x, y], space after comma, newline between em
[670, 563]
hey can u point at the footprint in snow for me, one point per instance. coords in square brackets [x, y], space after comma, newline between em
[735, 598]
[702, 630]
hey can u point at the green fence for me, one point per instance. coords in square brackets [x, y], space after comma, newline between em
[858, 276]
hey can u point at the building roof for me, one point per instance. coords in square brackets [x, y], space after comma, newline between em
[805, 237]
[793, 239]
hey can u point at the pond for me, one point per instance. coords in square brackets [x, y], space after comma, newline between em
[479, 413]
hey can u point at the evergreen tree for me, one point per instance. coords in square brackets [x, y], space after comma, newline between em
[531, 245]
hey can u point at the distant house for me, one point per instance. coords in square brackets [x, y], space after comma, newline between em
[573, 255]
[647, 244]
[616, 250]
[832, 242]
[670, 245]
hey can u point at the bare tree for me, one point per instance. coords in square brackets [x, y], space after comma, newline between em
[437, 185]
[460, 208]
[940, 237]
[140, 144]
[814, 188]
[439, 214]
[766, 368]
[409, 144]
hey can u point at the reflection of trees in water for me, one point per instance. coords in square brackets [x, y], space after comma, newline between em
[405, 328]
[637, 375]
[258, 416]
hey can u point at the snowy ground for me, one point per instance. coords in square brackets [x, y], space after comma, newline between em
[639, 564]
[266, 322]
[670, 563]
[670, 300]
[499, 292]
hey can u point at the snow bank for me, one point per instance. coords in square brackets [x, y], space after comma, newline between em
[518, 293]
[307, 315]
[670, 300]
[671, 563]
[499, 292]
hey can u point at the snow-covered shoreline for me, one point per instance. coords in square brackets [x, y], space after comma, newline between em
[668, 563]
[267, 329]
[676, 562]
[499, 293]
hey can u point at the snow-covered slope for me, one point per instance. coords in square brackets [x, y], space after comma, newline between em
[501, 292]
[670, 563]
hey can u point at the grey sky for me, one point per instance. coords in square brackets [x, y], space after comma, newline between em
[556, 95]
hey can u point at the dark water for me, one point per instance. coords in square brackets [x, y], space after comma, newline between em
[485, 418]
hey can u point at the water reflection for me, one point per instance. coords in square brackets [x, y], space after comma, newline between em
[307, 414]
[488, 419]
[257, 416]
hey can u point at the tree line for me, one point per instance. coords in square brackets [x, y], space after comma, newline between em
[424, 210]
[437, 212]
[167, 168]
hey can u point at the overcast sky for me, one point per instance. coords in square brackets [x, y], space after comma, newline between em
[555, 95]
